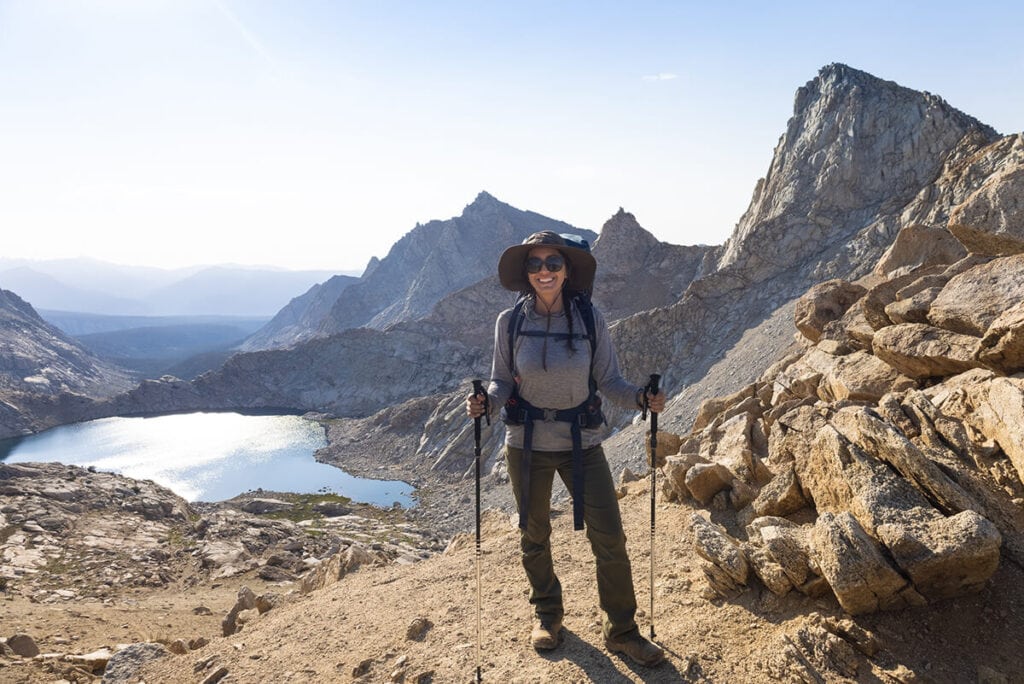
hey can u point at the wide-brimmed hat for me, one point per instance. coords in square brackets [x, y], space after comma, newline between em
[582, 265]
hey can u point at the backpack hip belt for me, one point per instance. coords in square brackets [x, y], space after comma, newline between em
[577, 418]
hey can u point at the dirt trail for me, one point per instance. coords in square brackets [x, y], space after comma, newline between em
[360, 627]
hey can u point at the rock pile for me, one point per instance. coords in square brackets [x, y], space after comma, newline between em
[883, 461]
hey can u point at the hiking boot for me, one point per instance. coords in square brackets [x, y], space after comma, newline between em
[546, 634]
[636, 647]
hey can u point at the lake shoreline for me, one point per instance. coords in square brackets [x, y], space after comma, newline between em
[211, 456]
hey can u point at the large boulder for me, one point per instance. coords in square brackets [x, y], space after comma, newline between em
[676, 469]
[914, 308]
[123, 667]
[885, 293]
[705, 480]
[972, 300]
[781, 496]
[726, 568]
[921, 351]
[994, 409]
[824, 303]
[991, 221]
[714, 407]
[919, 245]
[1002, 347]
[944, 557]
[859, 376]
[733, 445]
[856, 568]
[883, 442]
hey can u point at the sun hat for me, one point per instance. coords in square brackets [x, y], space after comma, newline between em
[582, 265]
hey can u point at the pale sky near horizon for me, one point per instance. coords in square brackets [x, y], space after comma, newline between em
[314, 134]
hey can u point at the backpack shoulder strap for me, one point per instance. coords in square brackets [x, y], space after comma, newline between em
[586, 308]
[515, 323]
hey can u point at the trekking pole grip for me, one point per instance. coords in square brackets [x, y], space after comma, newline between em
[653, 388]
[478, 389]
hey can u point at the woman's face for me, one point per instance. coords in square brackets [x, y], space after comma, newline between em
[545, 282]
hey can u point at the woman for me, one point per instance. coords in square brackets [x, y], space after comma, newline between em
[548, 366]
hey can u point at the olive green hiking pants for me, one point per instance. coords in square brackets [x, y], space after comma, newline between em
[603, 528]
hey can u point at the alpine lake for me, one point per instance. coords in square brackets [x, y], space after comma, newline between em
[207, 456]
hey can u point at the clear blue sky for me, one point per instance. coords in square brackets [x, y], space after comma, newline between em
[313, 134]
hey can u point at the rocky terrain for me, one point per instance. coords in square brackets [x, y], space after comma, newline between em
[89, 559]
[841, 492]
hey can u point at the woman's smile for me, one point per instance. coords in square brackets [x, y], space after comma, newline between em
[545, 281]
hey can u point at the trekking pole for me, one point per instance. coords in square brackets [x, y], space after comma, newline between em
[478, 389]
[652, 386]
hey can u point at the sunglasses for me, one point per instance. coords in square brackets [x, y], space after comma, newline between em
[553, 263]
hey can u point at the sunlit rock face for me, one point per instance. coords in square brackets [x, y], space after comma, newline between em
[45, 376]
[914, 479]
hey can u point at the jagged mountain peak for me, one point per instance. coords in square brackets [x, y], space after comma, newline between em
[485, 204]
[623, 235]
[484, 197]
[857, 149]
[434, 259]
[838, 73]
[838, 78]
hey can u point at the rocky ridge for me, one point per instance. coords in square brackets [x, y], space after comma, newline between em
[637, 272]
[302, 314]
[428, 263]
[43, 372]
[360, 371]
[881, 463]
[861, 159]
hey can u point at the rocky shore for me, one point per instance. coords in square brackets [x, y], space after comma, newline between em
[78, 544]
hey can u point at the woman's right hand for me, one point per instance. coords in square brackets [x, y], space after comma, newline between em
[475, 405]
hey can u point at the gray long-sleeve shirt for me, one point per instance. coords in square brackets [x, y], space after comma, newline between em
[553, 377]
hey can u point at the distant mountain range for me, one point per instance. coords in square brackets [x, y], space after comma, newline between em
[152, 346]
[90, 286]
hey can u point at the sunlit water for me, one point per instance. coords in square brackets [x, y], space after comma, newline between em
[206, 456]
